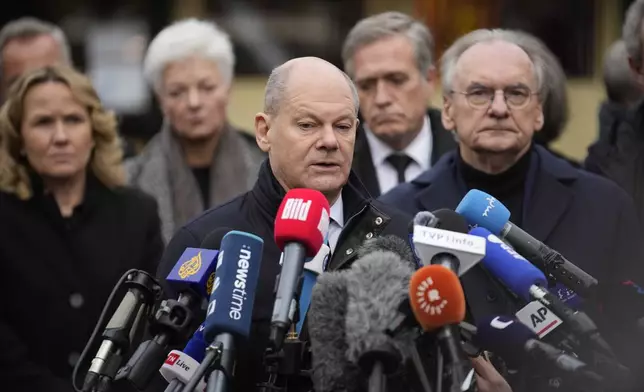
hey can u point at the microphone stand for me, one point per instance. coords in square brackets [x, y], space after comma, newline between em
[284, 363]
[171, 325]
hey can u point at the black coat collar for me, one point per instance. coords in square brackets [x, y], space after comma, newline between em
[268, 193]
[551, 195]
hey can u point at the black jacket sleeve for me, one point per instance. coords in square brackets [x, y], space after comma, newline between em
[19, 373]
[154, 243]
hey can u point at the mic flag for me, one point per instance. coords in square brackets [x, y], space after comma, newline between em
[436, 297]
[195, 271]
[303, 217]
[481, 209]
[231, 303]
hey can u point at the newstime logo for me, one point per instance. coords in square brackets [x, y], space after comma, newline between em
[239, 292]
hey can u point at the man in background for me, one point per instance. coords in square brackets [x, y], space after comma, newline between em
[622, 90]
[390, 57]
[29, 43]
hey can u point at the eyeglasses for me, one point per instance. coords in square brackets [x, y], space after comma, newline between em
[482, 97]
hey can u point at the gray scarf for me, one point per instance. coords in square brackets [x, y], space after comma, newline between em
[161, 171]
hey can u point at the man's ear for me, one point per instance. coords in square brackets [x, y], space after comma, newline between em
[447, 114]
[262, 128]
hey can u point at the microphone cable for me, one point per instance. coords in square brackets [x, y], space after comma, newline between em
[101, 321]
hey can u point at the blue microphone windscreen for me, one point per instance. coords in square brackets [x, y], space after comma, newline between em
[512, 269]
[230, 309]
[505, 336]
[481, 209]
[194, 270]
[196, 346]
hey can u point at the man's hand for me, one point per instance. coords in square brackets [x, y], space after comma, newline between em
[487, 378]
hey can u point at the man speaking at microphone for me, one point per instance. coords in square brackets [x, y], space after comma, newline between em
[308, 129]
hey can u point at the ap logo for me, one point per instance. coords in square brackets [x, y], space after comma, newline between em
[429, 298]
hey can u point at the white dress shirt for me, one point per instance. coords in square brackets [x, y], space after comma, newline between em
[419, 150]
[337, 222]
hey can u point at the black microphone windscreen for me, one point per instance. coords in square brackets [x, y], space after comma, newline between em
[213, 239]
[388, 243]
[376, 286]
[326, 322]
[451, 220]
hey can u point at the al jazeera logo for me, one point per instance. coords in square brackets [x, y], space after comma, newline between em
[211, 283]
[190, 267]
[429, 299]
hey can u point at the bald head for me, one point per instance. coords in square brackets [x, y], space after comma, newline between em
[310, 72]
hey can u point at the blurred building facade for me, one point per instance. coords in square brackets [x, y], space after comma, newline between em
[109, 39]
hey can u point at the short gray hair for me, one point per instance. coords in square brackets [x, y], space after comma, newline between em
[186, 38]
[632, 31]
[451, 56]
[621, 85]
[28, 27]
[387, 24]
[277, 83]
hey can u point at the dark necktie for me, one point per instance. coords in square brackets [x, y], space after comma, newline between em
[400, 163]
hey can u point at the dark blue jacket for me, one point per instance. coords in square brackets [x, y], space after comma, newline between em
[588, 219]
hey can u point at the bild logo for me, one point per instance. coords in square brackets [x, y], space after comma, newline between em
[296, 209]
[429, 298]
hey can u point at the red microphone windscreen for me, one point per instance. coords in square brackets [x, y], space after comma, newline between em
[436, 297]
[303, 217]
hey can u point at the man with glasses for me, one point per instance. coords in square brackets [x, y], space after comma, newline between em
[493, 86]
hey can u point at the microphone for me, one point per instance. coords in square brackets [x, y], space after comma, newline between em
[230, 309]
[193, 277]
[301, 224]
[331, 371]
[483, 210]
[376, 285]
[179, 367]
[124, 324]
[525, 280]
[388, 243]
[438, 302]
[513, 341]
[449, 245]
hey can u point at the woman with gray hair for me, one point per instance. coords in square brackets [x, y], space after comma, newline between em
[197, 160]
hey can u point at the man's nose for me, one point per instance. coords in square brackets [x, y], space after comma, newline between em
[383, 96]
[498, 106]
[328, 139]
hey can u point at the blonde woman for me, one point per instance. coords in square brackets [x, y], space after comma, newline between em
[68, 227]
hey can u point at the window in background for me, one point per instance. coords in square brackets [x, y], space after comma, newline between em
[267, 33]
[566, 27]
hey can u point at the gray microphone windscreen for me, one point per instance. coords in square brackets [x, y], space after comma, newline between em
[425, 218]
[326, 324]
[390, 243]
[377, 284]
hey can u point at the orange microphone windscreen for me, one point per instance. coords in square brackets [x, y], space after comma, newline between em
[436, 297]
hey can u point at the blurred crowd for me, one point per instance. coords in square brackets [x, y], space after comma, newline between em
[80, 205]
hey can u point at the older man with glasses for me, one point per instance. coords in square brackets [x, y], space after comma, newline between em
[493, 85]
